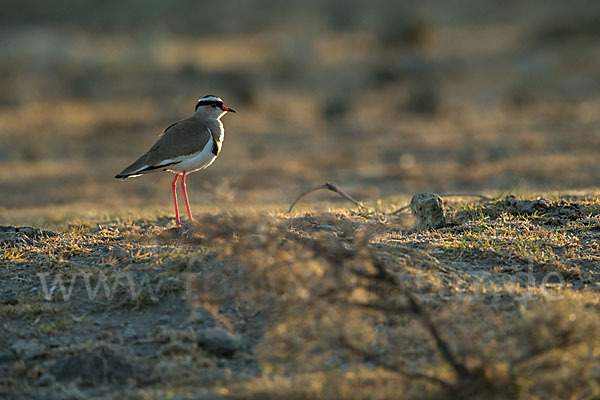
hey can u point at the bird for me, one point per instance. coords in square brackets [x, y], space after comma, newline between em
[186, 146]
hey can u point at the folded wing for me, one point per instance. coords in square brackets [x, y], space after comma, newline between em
[177, 142]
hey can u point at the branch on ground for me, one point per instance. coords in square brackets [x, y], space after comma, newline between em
[371, 357]
[416, 309]
[330, 186]
[333, 188]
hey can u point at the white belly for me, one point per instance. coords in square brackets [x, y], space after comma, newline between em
[195, 162]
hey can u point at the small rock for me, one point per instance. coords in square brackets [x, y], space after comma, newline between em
[187, 230]
[130, 333]
[218, 341]
[8, 298]
[53, 341]
[27, 350]
[198, 317]
[163, 320]
[6, 356]
[165, 370]
[119, 252]
[46, 380]
[209, 396]
[72, 393]
[428, 210]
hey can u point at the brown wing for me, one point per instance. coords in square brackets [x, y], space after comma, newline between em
[180, 139]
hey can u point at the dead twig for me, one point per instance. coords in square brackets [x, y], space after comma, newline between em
[460, 369]
[398, 211]
[416, 309]
[565, 339]
[328, 186]
[377, 307]
[368, 356]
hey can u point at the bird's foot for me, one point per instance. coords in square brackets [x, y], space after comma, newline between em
[178, 223]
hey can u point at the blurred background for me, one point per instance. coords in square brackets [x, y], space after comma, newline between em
[382, 97]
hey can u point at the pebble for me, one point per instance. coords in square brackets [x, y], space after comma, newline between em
[218, 341]
[119, 252]
[72, 393]
[28, 349]
[130, 332]
[46, 380]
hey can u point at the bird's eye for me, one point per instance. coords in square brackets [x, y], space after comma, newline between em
[214, 105]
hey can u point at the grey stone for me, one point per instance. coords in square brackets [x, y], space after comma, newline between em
[72, 393]
[428, 210]
[8, 298]
[209, 396]
[28, 349]
[130, 333]
[187, 230]
[218, 341]
[165, 370]
[46, 380]
[6, 355]
[163, 320]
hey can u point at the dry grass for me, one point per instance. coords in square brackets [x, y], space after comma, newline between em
[386, 100]
[513, 298]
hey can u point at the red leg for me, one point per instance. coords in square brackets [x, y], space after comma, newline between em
[187, 203]
[174, 187]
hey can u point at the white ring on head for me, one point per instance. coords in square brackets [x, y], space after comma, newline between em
[210, 98]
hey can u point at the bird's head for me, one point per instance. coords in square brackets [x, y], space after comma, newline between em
[212, 107]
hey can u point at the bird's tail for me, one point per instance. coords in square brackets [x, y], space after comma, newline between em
[125, 176]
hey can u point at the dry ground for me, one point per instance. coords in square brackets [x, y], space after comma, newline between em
[271, 305]
[385, 98]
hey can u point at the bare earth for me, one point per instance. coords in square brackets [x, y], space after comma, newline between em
[101, 297]
[277, 305]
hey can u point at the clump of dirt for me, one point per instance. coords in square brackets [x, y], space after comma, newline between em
[428, 210]
[10, 235]
[553, 213]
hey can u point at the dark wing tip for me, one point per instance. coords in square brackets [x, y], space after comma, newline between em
[119, 176]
